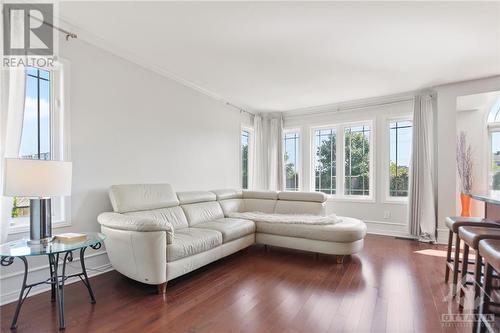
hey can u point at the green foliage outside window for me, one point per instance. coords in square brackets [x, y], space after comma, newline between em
[398, 180]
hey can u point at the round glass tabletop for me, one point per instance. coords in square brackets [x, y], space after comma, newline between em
[20, 247]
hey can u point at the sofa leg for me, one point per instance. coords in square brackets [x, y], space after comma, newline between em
[265, 248]
[316, 256]
[340, 259]
[162, 288]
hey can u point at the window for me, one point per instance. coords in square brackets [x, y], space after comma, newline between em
[291, 160]
[495, 161]
[36, 138]
[357, 160]
[325, 162]
[400, 133]
[494, 151]
[43, 136]
[245, 142]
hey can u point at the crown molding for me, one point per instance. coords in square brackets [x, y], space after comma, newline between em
[352, 105]
[132, 57]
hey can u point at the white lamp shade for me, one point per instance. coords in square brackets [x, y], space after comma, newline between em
[37, 178]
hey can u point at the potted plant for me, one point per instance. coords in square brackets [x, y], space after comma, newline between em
[464, 166]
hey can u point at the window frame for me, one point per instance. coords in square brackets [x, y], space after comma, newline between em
[313, 158]
[371, 174]
[340, 161]
[250, 131]
[299, 157]
[493, 127]
[60, 145]
[387, 159]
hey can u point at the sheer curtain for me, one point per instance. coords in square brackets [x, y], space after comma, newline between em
[13, 91]
[276, 177]
[267, 153]
[259, 160]
[422, 204]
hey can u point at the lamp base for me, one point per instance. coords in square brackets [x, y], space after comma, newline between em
[43, 241]
[40, 221]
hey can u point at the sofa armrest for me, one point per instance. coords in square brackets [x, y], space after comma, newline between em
[141, 256]
[135, 223]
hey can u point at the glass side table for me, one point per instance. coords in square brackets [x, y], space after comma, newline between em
[54, 250]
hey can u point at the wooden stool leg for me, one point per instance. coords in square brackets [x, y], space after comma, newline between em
[456, 262]
[485, 300]
[477, 287]
[463, 280]
[448, 256]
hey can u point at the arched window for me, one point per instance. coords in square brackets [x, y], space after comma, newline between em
[494, 143]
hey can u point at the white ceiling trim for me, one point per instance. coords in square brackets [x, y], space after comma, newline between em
[352, 105]
[138, 60]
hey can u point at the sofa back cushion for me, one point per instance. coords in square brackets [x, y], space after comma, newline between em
[226, 194]
[200, 206]
[190, 197]
[173, 215]
[137, 197]
[230, 201]
[202, 212]
[232, 206]
[300, 207]
[260, 201]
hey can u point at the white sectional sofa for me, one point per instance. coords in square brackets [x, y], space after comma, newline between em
[155, 235]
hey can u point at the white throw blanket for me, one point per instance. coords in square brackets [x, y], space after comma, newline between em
[287, 218]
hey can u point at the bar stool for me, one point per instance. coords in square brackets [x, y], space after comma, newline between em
[490, 251]
[453, 223]
[471, 237]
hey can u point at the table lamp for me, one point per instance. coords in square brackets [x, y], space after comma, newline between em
[39, 180]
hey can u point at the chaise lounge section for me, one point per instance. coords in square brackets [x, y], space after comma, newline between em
[155, 234]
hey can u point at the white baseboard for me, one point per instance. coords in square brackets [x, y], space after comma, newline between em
[400, 230]
[10, 284]
[387, 228]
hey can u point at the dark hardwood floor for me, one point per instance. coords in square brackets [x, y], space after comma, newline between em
[394, 285]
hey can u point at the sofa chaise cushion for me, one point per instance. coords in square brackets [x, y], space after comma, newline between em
[231, 228]
[191, 241]
[349, 230]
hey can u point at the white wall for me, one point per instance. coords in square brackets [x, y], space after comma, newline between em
[130, 125]
[370, 212]
[446, 131]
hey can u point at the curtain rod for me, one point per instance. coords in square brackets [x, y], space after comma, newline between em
[239, 108]
[66, 32]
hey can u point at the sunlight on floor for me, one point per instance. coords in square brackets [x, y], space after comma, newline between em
[431, 252]
[439, 253]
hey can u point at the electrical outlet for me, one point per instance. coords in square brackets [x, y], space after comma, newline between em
[387, 214]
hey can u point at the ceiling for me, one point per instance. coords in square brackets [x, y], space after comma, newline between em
[280, 56]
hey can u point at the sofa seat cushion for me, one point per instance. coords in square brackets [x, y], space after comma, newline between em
[230, 228]
[349, 230]
[191, 241]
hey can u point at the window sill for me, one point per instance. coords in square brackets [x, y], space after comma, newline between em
[396, 201]
[370, 200]
[22, 227]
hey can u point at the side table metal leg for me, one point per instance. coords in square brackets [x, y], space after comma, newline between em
[59, 298]
[85, 280]
[22, 295]
[52, 285]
